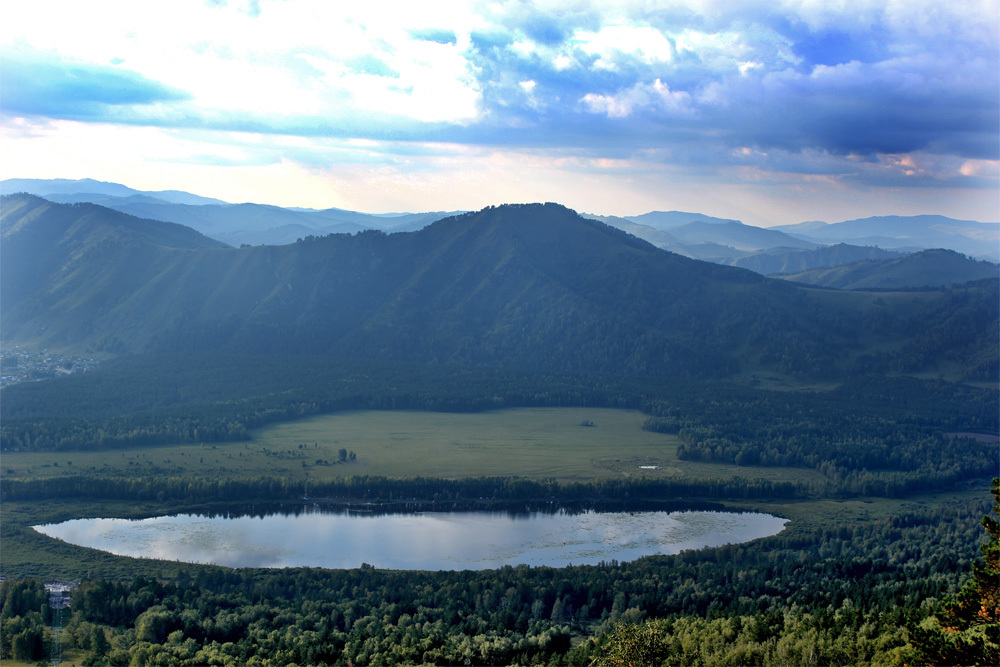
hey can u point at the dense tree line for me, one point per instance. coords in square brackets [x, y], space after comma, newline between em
[382, 489]
[152, 400]
[954, 329]
[852, 592]
[24, 615]
[963, 630]
[870, 436]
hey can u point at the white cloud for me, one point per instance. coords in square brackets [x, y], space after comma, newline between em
[230, 61]
[615, 44]
[564, 62]
[655, 96]
[773, 88]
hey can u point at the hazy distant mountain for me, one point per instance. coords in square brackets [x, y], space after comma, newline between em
[787, 260]
[87, 189]
[801, 227]
[671, 219]
[234, 224]
[233, 220]
[927, 268]
[979, 239]
[708, 252]
[532, 286]
[657, 237]
[737, 235]
[721, 240]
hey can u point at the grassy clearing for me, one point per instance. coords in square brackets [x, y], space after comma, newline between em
[537, 443]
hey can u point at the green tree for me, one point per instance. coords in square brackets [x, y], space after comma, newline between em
[966, 629]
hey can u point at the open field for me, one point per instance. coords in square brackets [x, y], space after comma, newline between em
[537, 443]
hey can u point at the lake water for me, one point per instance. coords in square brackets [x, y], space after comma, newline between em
[424, 541]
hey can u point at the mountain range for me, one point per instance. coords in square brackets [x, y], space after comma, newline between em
[233, 224]
[788, 260]
[907, 232]
[758, 248]
[927, 268]
[691, 234]
[515, 286]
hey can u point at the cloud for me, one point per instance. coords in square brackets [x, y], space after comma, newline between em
[34, 85]
[922, 103]
[655, 96]
[840, 91]
[613, 45]
[440, 36]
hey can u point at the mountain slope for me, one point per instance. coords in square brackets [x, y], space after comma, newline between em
[737, 235]
[670, 219]
[979, 239]
[533, 286]
[721, 241]
[785, 260]
[61, 263]
[233, 224]
[89, 190]
[928, 268]
[657, 237]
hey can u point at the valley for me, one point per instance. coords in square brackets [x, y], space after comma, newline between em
[534, 443]
[518, 357]
[537, 333]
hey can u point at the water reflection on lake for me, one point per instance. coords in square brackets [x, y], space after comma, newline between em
[425, 541]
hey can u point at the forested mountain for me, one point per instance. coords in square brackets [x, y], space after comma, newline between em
[530, 286]
[788, 260]
[979, 239]
[712, 239]
[737, 235]
[46, 243]
[658, 237]
[526, 305]
[928, 268]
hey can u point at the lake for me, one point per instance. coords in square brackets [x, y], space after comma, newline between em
[421, 541]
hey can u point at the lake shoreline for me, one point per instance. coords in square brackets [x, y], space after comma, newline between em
[347, 537]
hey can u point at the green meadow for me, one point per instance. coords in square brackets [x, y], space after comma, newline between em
[537, 443]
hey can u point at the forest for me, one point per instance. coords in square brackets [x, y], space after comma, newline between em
[868, 420]
[870, 435]
[903, 590]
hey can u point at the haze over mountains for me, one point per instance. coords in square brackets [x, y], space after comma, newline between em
[767, 250]
[517, 286]
[233, 224]
[927, 268]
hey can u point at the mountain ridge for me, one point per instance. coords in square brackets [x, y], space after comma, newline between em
[928, 268]
[515, 286]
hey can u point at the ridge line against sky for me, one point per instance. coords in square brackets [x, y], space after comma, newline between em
[770, 112]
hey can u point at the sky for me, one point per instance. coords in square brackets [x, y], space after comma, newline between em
[771, 112]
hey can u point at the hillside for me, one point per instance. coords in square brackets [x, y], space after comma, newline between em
[789, 260]
[737, 235]
[928, 268]
[233, 224]
[532, 286]
[46, 243]
[978, 239]
[72, 191]
[671, 219]
[715, 240]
